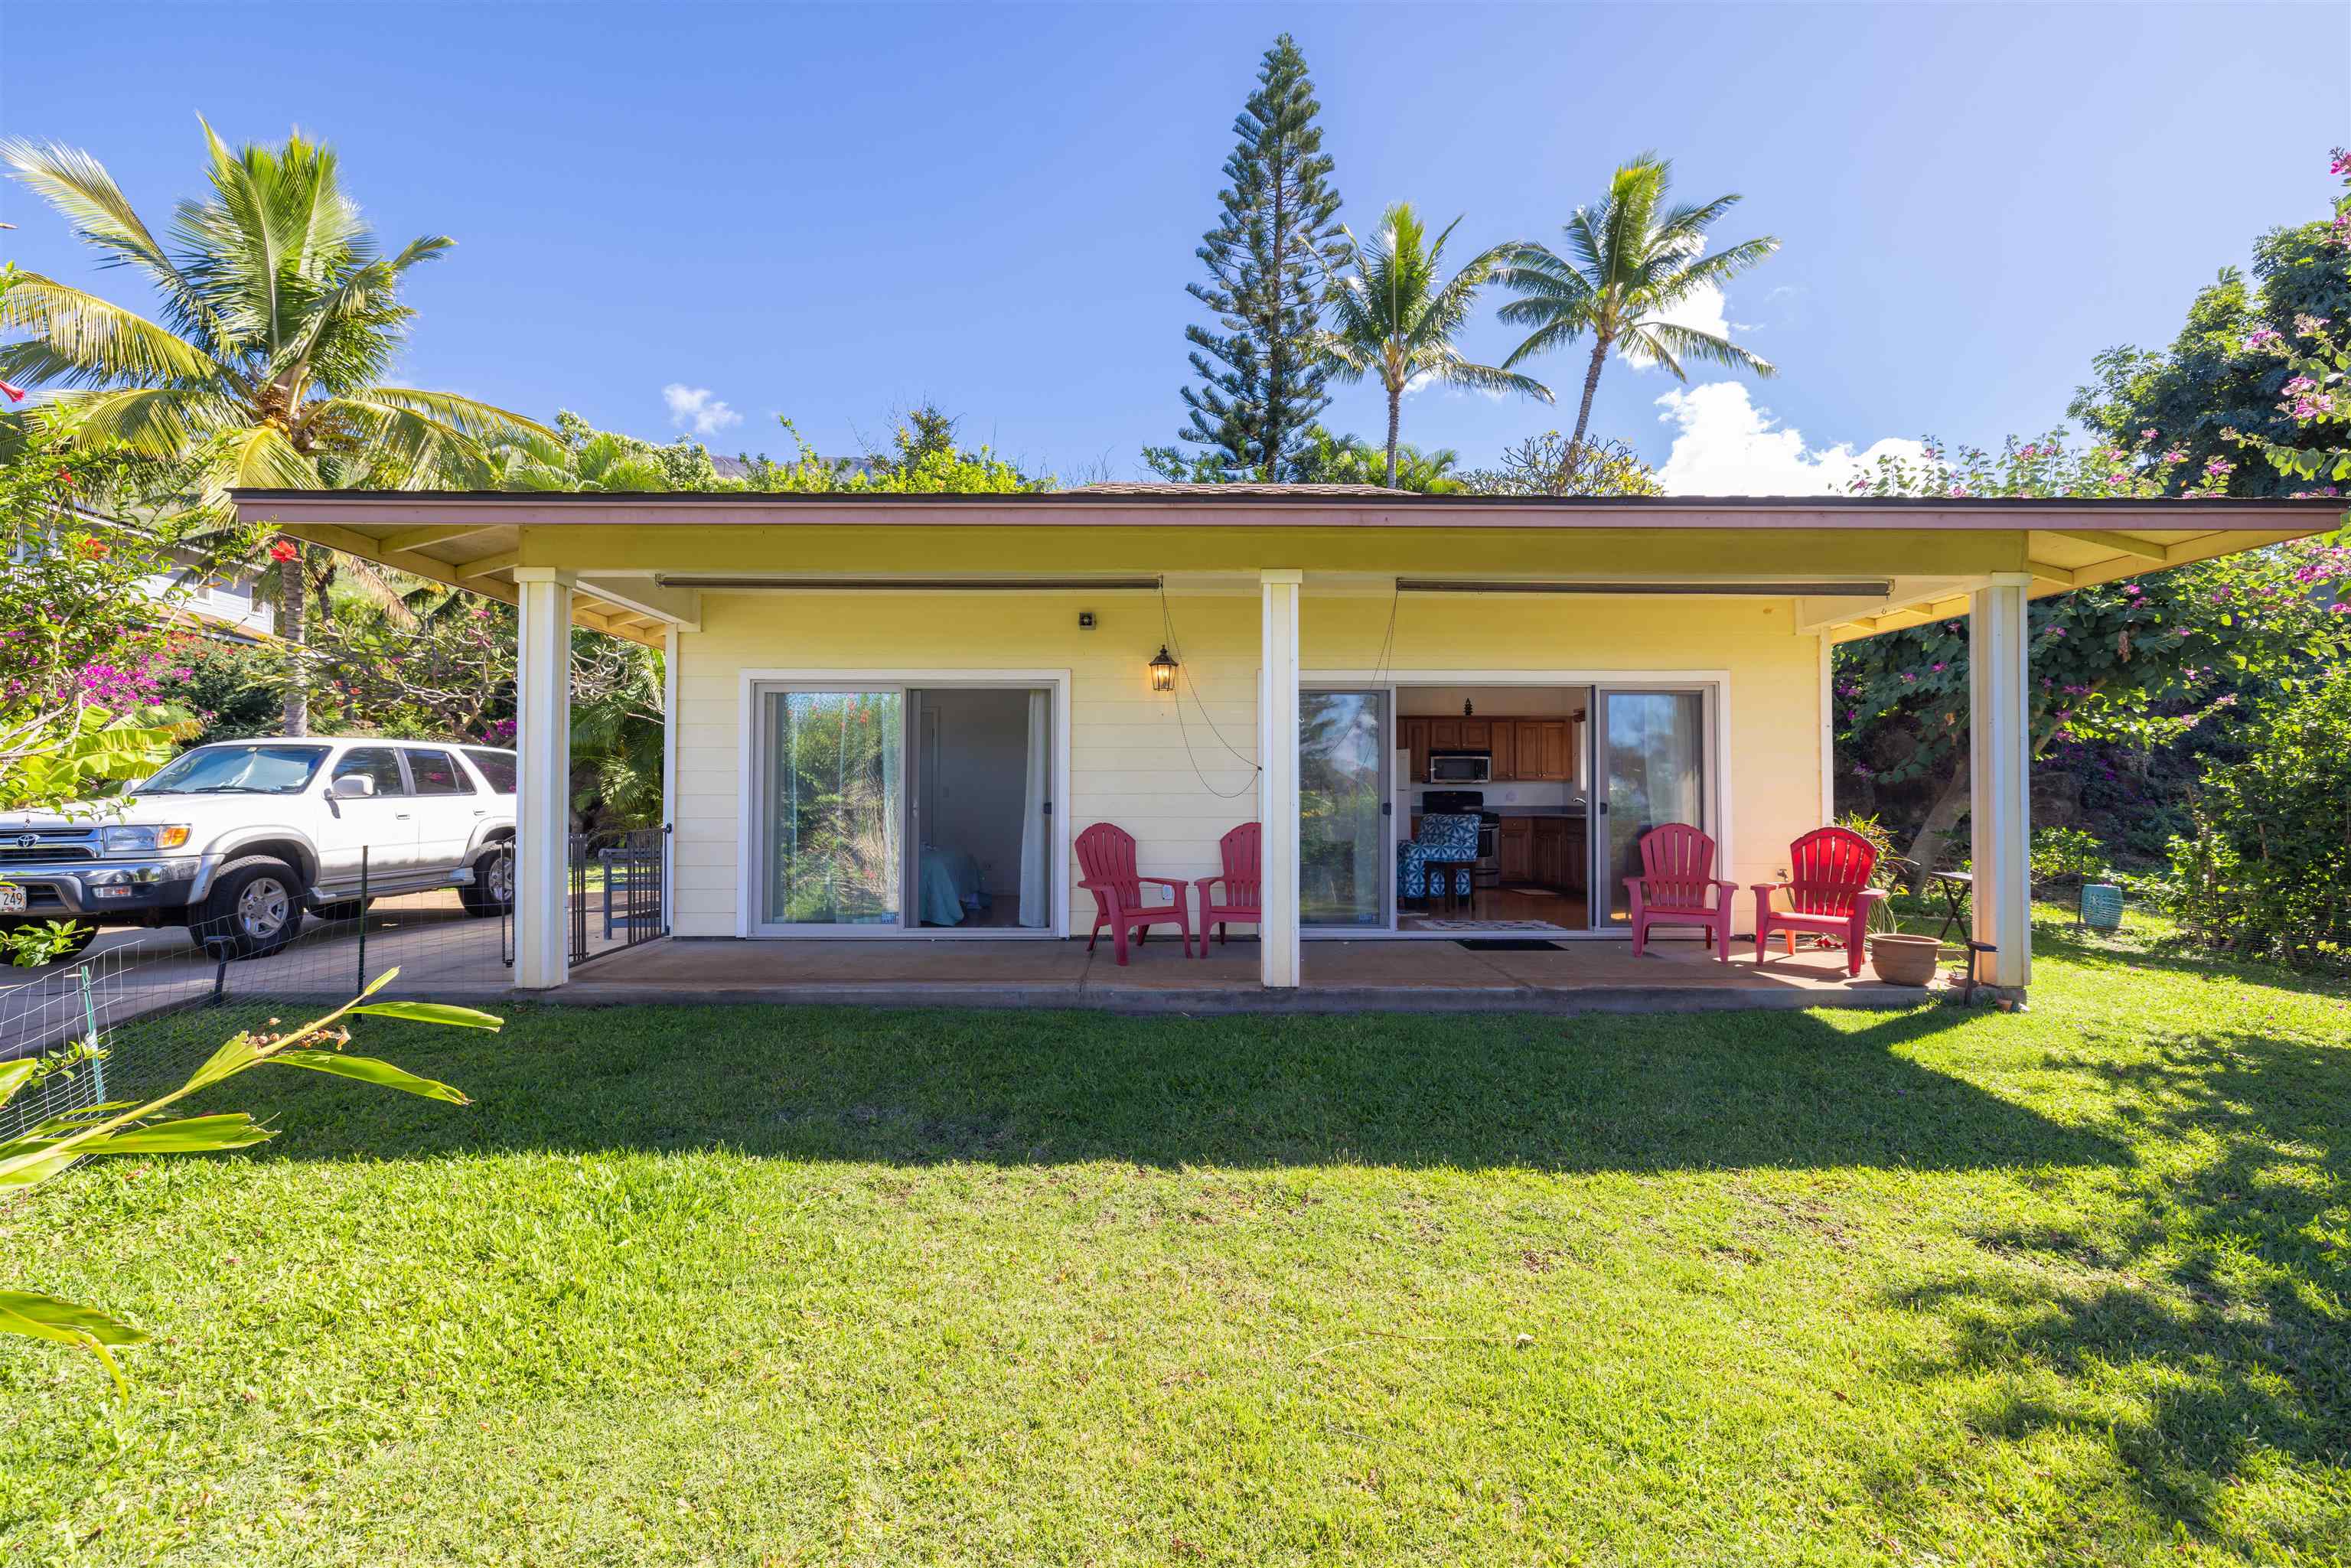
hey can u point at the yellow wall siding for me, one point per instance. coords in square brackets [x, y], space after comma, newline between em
[1130, 763]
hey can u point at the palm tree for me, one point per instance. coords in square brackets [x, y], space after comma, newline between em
[1633, 264]
[1397, 321]
[279, 319]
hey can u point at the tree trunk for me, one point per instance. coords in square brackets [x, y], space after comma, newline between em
[1584, 412]
[293, 626]
[1395, 409]
[1927, 847]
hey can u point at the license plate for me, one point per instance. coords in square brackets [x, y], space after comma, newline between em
[12, 899]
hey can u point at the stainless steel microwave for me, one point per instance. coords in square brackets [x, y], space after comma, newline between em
[1460, 768]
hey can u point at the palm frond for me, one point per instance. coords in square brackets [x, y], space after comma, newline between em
[469, 416]
[79, 339]
[78, 186]
[1670, 342]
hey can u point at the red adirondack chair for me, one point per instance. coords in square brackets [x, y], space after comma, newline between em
[1242, 901]
[1676, 879]
[1828, 889]
[1106, 855]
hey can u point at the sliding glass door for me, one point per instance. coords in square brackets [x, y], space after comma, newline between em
[1650, 770]
[1343, 796]
[836, 808]
[883, 810]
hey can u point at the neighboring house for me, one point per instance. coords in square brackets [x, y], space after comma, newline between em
[225, 603]
[891, 714]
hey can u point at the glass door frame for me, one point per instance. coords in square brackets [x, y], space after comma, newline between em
[1714, 684]
[757, 828]
[1712, 783]
[1386, 697]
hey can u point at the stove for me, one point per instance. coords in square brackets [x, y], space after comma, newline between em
[1489, 869]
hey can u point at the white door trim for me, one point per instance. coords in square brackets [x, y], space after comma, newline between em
[747, 831]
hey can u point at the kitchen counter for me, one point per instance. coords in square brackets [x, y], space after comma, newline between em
[1506, 812]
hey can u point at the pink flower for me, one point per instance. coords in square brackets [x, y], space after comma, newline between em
[2146, 435]
[2133, 588]
[2175, 455]
[1940, 668]
[2262, 337]
[2341, 165]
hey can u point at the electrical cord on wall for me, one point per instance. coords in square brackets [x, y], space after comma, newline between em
[1184, 674]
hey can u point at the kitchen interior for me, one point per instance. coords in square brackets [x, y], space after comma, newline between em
[1518, 758]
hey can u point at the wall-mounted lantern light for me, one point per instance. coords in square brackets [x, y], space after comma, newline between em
[1162, 670]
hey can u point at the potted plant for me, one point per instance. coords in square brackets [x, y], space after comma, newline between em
[1894, 956]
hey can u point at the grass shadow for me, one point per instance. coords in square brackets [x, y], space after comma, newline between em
[2216, 1292]
[1633, 1094]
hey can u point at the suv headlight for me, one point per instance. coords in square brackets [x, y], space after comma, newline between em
[142, 840]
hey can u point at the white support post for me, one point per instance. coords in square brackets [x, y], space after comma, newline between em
[1999, 781]
[1277, 754]
[542, 911]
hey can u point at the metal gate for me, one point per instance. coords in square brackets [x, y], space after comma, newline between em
[617, 877]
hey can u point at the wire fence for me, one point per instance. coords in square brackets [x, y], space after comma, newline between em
[142, 1008]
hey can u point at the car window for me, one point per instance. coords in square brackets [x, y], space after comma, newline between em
[234, 769]
[380, 763]
[436, 773]
[498, 768]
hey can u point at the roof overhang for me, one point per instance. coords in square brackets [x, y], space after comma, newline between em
[638, 556]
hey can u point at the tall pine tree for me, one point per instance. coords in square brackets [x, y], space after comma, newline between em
[1268, 259]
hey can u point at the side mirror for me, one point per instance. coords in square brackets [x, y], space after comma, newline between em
[353, 787]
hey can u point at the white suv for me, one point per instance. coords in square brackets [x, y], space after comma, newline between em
[240, 837]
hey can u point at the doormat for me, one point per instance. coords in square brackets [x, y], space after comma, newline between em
[1506, 944]
[1487, 925]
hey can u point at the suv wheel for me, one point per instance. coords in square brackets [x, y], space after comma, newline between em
[257, 905]
[492, 889]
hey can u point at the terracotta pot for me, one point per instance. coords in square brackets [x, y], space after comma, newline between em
[1903, 960]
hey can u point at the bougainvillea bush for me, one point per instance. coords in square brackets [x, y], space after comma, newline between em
[2132, 667]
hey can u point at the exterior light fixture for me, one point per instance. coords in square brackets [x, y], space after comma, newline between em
[1162, 670]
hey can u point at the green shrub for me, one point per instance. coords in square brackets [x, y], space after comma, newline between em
[2267, 872]
[2067, 854]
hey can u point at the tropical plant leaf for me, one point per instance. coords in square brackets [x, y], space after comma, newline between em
[189, 1135]
[236, 1053]
[23, 1163]
[15, 1075]
[432, 1012]
[370, 1069]
[36, 1316]
[52, 1317]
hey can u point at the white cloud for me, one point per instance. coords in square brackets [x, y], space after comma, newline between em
[692, 408]
[1725, 446]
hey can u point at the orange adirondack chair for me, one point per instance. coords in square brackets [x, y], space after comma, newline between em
[1242, 880]
[1106, 855]
[1677, 878]
[1828, 886]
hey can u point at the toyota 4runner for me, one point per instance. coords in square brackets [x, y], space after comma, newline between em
[240, 839]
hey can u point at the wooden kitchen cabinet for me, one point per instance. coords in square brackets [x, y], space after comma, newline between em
[1541, 749]
[1413, 733]
[1502, 740]
[1548, 866]
[1444, 735]
[1514, 849]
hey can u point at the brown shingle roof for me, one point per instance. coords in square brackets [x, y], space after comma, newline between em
[1205, 492]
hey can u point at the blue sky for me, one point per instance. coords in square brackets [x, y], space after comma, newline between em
[833, 212]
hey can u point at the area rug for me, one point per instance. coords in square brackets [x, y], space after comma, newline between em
[1489, 925]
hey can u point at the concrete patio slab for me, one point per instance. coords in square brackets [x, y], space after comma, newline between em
[1373, 974]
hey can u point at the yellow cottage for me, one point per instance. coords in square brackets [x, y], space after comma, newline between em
[1452, 718]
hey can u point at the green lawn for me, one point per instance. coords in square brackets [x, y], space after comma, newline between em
[743, 1286]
